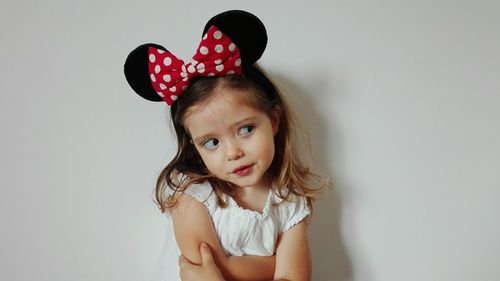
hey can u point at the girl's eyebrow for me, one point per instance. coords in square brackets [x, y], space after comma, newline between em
[202, 137]
[244, 120]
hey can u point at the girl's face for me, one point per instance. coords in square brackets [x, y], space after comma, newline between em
[234, 140]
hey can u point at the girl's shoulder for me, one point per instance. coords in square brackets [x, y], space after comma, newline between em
[290, 211]
[201, 192]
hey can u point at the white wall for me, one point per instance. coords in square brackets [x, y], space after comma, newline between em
[401, 98]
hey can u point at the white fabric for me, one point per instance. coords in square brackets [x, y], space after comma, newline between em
[240, 231]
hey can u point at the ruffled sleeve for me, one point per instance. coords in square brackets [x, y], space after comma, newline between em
[203, 193]
[292, 212]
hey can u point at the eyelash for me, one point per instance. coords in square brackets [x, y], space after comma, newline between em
[204, 144]
[250, 128]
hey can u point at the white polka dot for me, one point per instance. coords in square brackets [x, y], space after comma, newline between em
[230, 72]
[205, 36]
[200, 66]
[203, 50]
[185, 79]
[217, 35]
[219, 48]
[194, 62]
[167, 61]
[167, 78]
[173, 97]
[184, 74]
[173, 89]
[237, 62]
[152, 58]
[184, 87]
[218, 61]
[153, 78]
[162, 86]
[183, 68]
[219, 67]
[232, 47]
[160, 94]
[191, 69]
[161, 51]
[157, 69]
[211, 74]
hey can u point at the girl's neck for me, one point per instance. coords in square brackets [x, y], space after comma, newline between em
[253, 198]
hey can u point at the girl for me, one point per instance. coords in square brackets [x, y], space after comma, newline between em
[235, 185]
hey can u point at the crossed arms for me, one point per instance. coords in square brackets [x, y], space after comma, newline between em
[193, 225]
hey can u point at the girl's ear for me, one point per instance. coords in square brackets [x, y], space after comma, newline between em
[275, 120]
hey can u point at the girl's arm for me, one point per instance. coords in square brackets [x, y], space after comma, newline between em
[293, 259]
[208, 270]
[193, 225]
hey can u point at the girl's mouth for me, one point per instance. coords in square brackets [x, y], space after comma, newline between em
[243, 170]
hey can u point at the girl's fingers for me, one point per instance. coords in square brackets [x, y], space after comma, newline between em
[206, 254]
[183, 262]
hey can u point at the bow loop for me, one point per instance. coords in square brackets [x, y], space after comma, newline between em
[167, 73]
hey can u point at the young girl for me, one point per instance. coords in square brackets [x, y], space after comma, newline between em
[235, 186]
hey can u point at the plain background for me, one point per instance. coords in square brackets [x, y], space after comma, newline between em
[401, 99]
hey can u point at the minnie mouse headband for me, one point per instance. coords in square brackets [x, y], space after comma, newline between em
[231, 40]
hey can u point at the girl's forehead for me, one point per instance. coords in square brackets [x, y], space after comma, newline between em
[224, 98]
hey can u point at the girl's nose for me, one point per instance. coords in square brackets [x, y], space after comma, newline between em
[234, 152]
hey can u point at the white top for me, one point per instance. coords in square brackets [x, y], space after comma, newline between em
[240, 231]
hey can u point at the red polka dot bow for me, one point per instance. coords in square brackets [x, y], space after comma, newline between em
[216, 55]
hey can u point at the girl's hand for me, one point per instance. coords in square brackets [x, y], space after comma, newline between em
[207, 271]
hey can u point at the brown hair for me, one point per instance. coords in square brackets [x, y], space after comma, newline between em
[286, 172]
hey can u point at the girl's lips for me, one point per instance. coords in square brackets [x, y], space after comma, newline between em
[243, 170]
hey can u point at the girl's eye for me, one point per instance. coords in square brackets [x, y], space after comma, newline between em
[210, 144]
[245, 130]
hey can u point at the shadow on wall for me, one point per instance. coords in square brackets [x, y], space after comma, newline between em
[330, 259]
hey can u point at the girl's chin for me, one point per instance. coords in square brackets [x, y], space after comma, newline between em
[250, 183]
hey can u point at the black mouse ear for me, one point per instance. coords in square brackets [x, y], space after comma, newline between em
[245, 30]
[137, 72]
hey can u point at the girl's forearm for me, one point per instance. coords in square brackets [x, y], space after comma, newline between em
[249, 268]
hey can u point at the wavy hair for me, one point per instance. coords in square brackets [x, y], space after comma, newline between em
[286, 172]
